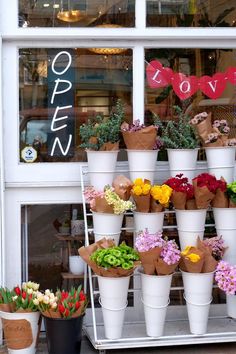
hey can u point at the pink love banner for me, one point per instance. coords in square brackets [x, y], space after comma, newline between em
[185, 86]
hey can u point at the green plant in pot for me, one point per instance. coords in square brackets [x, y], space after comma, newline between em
[179, 138]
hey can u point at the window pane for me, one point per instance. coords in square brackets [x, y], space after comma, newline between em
[76, 13]
[191, 13]
[71, 84]
[216, 94]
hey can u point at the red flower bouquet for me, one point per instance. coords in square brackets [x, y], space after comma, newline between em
[182, 191]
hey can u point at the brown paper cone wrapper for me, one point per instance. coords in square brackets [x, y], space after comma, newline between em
[144, 139]
[232, 204]
[163, 268]
[17, 333]
[148, 259]
[179, 200]
[220, 200]
[205, 127]
[86, 252]
[209, 264]
[101, 206]
[203, 196]
[191, 267]
[155, 206]
[51, 314]
[109, 146]
[5, 308]
[142, 202]
[122, 186]
[93, 140]
[191, 204]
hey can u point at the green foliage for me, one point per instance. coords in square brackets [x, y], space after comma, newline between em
[103, 129]
[177, 134]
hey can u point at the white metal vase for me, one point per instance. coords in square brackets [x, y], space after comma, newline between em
[151, 221]
[107, 225]
[221, 162]
[182, 161]
[142, 164]
[101, 167]
[225, 224]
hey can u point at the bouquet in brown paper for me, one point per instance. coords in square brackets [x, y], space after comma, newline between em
[182, 191]
[160, 197]
[122, 187]
[158, 256]
[192, 260]
[212, 134]
[213, 249]
[221, 199]
[108, 260]
[100, 133]
[141, 194]
[205, 187]
[139, 137]
[107, 201]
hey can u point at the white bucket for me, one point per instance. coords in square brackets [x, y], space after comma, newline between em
[113, 291]
[142, 164]
[191, 220]
[226, 172]
[104, 223]
[155, 298]
[225, 218]
[76, 265]
[189, 238]
[182, 161]
[113, 321]
[198, 316]
[113, 299]
[101, 167]
[229, 237]
[198, 287]
[151, 221]
[114, 237]
[231, 305]
[33, 318]
[221, 162]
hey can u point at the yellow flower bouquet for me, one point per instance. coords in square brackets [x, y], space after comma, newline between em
[160, 197]
[141, 194]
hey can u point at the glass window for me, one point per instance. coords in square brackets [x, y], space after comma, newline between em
[191, 13]
[76, 13]
[200, 80]
[60, 89]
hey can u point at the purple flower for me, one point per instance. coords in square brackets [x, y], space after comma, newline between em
[225, 277]
[170, 252]
[217, 246]
[146, 241]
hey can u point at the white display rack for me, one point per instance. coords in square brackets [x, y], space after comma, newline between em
[221, 329]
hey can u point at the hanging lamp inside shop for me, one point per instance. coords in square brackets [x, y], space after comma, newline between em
[108, 51]
[69, 15]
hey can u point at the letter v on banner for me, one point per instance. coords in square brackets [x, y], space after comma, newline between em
[61, 78]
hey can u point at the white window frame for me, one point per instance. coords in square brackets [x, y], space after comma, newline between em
[50, 183]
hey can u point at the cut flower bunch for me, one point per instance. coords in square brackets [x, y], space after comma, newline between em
[158, 255]
[225, 277]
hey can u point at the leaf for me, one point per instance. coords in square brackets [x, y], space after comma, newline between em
[222, 16]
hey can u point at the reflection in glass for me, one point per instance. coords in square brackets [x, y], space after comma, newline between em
[191, 13]
[92, 84]
[75, 13]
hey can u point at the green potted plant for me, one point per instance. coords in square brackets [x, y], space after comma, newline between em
[100, 138]
[179, 138]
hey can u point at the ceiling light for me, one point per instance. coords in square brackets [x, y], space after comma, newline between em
[46, 5]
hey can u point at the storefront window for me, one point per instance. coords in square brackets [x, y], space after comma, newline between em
[76, 13]
[197, 80]
[60, 89]
[191, 13]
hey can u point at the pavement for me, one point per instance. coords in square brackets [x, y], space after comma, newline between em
[87, 348]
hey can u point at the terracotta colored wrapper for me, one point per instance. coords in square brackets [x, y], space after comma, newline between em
[205, 127]
[192, 267]
[101, 206]
[162, 268]
[220, 200]
[148, 260]
[179, 200]
[142, 202]
[143, 139]
[109, 146]
[122, 186]
[203, 196]
[155, 206]
[232, 204]
[191, 204]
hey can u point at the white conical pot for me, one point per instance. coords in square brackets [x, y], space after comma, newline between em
[190, 225]
[198, 296]
[101, 167]
[22, 331]
[107, 225]
[142, 164]
[113, 299]
[221, 162]
[155, 298]
[182, 161]
[76, 265]
[225, 223]
[151, 221]
[231, 306]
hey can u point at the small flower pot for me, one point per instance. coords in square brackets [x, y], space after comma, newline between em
[183, 161]
[76, 265]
